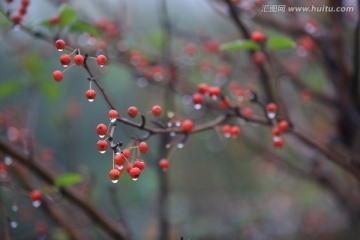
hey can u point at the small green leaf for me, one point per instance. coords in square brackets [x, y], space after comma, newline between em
[156, 39]
[84, 27]
[67, 15]
[9, 88]
[67, 179]
[47, 23]
[50, 90]
[240, 45]
[275, 43]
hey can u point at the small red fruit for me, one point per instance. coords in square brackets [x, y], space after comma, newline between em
[102, 145]
[214, 91]
[278, 143]
[58, 75]
[257, 36]
[187, 126]
[191, 50]
[79, 60]
[35, 195]
[129, 167]
[25, 3]
[101, 60]
[203, 88]
[276, 131]
[164, 164]
[17, 19]
[101, 129]
[271, 107]
[90, 94]
[227, 130]
[156, 110]
[135, 173]
[113, 114]
[139, 164]
[143, 147]
[119, 159]
[247, 112]
[126, 153]
[65, 60]
[235, 130]
[197, 98]
[283, 125]
[55, 20]
[60, 44]
[132, 112]
[114, 175]
[258, 58]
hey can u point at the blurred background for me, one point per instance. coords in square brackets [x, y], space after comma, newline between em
[219, 188]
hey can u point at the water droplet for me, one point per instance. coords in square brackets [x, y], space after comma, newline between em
[271, 115]
[90, 100]
[13, 224]
[214, 97]
[101, 66]
[172, 134]
[101, 136]
[168, 145]
[227, 135]
[102, 152]
[180, 146]
[135, 179]
[169, 124]
[7, 160]
[197, 106]
[65, 65]
[276, 138]
[114, 181]
[36, 203]
[60, 50]
[178, 124]
[120, 167]
[15, 208]
[112, 120]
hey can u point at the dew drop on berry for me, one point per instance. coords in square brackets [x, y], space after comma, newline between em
[14, 208]
[7, 160]
[180, 145]
[114, 181]
[168, 145]
[60, 50]
[102, 152]
[112, 120]
[172, 134]
[214, 97]
[276, 138]
[169, 124]
[13, 224]
[227, 135]
[197, 106]
[271, 115]
[65, 65]
[101, 136]
[178, 124]
[36, 203]
[120, 167]
[135, 179]
[101, 66]
[90, 99]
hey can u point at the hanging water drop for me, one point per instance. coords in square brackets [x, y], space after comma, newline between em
[64, 65]
[135, 179]
[101, 136]
[180, 145]
[197, 106]
[172, 134]
[178, 124]
[90, 100]
[13, 224]
[36, 203]
[60, 50]
[271, 115]
[101, 66]
[102, 152]
[120, 167]
[112, 120]
[14, 208]
[227, 135]
[214, 97]
[168, 145]
[115, 180]
[7, 160]
[276, 138]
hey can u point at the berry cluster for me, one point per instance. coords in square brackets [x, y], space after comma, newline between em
[18, 17]
[258, 57]
[79, 60]
[279, 127]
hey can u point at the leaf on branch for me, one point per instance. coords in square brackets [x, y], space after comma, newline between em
[9, 88]
[275, 43]
[67, 179]
[240, 45]
[84, 27]
[67, 15]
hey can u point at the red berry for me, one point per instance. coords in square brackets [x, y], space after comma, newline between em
[283, 125]
[214, 91]
[197, 98]
[60, 44]
[224, 103]
[156, 110]
[102, 145]
[143, 147]
[79, 60]
[235, 130]
[126, 153]
[203, 88]
[164, 164]
[101, 60]
[65, 60]
[58, 75]
[119, 159]
[276, 131]
[139, 164]
[25, 3]
[101, 129]
[187, 126]
[258, 58]
[129, 167]
[278, 143]
[9, 1]
[17, 19]
[134, 173]
[132, 112]
[271, 107]
[35, 195]
[114, 175]
[226, 129]
[113, 114]
[90, 94]
[55, 20]
[191, 50]
[257, 36]
[247, 112]
[23, 10]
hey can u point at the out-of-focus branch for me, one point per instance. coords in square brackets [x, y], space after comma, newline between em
[109, 226]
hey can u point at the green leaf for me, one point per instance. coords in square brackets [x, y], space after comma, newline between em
[47, 23]
[67, 15]
[50, 90]
[67, 179]
[240, 45]
[275, 43]
[9, 88]
[156, 39]
[84, 27]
